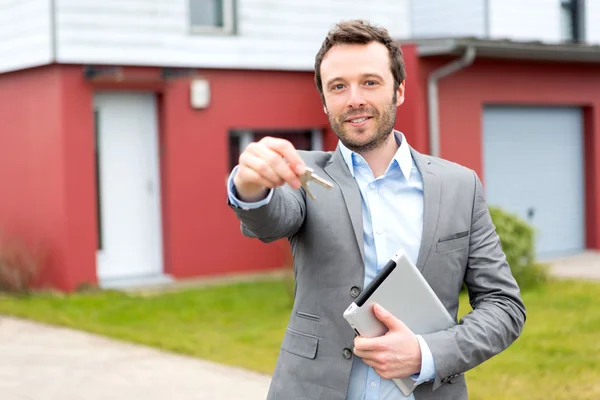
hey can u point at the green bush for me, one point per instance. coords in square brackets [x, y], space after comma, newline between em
[518, 243]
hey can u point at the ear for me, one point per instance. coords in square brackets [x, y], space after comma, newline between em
[325, 109]
[400, 94]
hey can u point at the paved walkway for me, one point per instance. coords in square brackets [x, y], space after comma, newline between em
[40, 362]
[585, 265]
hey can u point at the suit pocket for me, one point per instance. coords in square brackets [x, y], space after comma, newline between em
[452, 242]
[305, 315]
[300, 344]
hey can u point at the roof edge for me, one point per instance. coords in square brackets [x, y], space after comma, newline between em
[509, 49]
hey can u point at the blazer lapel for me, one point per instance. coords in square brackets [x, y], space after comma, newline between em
[337, 169]
[431, 206]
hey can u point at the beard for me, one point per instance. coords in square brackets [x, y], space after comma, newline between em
[353, 138]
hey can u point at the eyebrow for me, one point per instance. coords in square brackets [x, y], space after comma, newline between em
[367, 75]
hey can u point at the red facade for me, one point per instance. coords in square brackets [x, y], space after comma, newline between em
[47, 165]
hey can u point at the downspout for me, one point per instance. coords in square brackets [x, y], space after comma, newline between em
[486, 19]
[432, 96]
[53, 32]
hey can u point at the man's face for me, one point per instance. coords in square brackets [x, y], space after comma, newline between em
[360, 100]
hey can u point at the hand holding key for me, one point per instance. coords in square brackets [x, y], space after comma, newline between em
[270, 163]
[267, 164]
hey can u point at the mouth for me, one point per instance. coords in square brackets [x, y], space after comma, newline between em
[358, 121]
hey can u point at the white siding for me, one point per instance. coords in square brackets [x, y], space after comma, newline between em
[25, 34]
[531, 20]
[278, 34]
[443, 18]
[592, 21]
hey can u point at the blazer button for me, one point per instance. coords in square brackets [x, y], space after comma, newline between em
[355, 291]
[347, 353]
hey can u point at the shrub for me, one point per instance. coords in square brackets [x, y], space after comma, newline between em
[19, 265]
[518, 243]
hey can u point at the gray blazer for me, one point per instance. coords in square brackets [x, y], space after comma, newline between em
[459, 244]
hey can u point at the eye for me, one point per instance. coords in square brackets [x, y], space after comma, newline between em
[371, 83]
[337, 86]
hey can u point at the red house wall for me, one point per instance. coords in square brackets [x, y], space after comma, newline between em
[33, 182]
[463, 95]
[203, 234]
[48, 167]
[47, 164]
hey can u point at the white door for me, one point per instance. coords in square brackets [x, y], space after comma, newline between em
[533, 166]
[129, 212]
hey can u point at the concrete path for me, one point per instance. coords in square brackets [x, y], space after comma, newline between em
[40, 362]
[585, 265]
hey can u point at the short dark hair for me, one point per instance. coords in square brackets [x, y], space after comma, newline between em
[361, 32]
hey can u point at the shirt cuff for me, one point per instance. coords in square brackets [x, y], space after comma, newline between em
[231, 194]
[427, 364]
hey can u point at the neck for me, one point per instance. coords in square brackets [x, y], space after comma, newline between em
[379, 158]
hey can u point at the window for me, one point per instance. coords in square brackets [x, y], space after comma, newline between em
[571, 21]
[212, 16]
[302, 139]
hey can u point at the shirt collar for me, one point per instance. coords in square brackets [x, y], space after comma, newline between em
[402, 156]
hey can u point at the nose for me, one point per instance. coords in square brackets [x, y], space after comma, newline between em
[356, 99]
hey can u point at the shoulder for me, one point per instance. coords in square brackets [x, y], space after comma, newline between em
[447, 170]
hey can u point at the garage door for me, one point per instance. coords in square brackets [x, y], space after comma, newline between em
[533, 167]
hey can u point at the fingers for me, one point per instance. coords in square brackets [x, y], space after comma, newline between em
[375, 359]
[250, 175]
[380, 362]
[286, 150]
[259, 170]
[270, 165]
[370, 344]
[367, 354]
[267, 164]
[372, 363]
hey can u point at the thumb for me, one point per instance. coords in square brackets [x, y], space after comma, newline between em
[393, 323]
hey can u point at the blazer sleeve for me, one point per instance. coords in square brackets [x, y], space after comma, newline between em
[280, 218]
[498, 314]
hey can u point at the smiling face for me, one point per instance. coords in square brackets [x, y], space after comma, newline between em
[359, 95]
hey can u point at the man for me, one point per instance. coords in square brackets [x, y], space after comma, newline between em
[386, 196]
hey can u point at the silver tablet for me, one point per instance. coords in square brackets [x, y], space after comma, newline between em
[403, 291]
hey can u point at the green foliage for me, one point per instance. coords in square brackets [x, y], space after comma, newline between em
[518, 243]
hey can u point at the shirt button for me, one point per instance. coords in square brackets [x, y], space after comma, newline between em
[371, 186]
[373, 384]
[354, 292]
[347, 353]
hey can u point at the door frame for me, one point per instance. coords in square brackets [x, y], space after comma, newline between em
[162, 276]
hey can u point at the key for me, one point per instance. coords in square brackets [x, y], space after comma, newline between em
[309, 176]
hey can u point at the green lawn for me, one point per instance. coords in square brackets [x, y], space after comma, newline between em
[557, 357]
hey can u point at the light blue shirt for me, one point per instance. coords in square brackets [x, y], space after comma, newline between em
[392, 210]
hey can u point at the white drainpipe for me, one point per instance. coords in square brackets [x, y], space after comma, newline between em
[432, 96]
